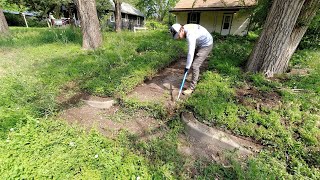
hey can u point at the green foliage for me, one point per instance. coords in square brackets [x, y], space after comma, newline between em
[35, 67]
[229, 55]
[40, 5]
[21, 37]
[37, 64]
[288, 129]
[255, 168]
[14, 20]
[260, 14]
[17, 20]
[42, 65]
[51, 149]
[157, 9]
[152, 25]
[312, 37]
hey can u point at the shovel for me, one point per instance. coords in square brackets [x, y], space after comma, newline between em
[182, 84]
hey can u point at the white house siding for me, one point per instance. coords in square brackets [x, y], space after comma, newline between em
[182, 17]
[212, 21]
[240, 24]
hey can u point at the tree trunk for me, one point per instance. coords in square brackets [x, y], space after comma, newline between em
[90, 27]
[306, 15]
[275, 37]
[117, 8]
[4, 28]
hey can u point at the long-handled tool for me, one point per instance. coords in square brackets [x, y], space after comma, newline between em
[182, 84]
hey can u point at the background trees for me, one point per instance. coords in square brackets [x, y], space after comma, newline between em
[42, 6]
[157, 9]
[117, 9]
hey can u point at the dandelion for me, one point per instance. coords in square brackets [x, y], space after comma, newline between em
[138, 178]
[72, 144]
[8, 140]
[12, 129]
[96, 156]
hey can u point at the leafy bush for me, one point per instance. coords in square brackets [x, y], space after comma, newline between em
[312, 37]
[152, 25]
[14, 19]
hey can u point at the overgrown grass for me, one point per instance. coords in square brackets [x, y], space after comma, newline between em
[37, 63]
[37, 66]
[288, 128]
[45, 149]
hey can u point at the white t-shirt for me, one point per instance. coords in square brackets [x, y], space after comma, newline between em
[197, 36]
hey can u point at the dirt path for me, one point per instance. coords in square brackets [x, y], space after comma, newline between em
[163, 88]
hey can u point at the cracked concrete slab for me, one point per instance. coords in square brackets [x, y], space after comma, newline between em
[216, 140]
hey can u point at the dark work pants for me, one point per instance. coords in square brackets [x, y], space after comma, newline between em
[200, 56]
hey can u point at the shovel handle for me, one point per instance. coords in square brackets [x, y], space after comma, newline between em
[182, 84]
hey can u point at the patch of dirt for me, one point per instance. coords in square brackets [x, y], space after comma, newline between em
[111, 121]
[164, 87]
[256, 99]
[300, 72]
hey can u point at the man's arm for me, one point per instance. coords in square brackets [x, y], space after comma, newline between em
[192, 47]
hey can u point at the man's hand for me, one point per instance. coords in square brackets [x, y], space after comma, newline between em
[186, 70]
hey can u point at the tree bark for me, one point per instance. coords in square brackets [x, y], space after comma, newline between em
[306, 15]
[275, 37]
[90, 27]
[117, 9]
[4, 28]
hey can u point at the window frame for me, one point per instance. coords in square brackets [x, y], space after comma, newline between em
[194, 18]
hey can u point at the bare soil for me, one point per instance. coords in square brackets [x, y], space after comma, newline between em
[163, 88]
[251, 97]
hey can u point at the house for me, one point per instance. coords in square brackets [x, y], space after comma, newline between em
[219, 16]
[131, 17]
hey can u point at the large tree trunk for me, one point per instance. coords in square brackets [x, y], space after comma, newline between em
[4, 29]
[306, 15]
[117, 8]
[275, 37]
[92, 37]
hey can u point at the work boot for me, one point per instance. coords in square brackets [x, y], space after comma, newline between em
[187, 92]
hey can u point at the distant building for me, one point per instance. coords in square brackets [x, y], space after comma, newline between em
[131, 17]
[220, 16]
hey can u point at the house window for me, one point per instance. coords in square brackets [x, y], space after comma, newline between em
[112, 18]
[138, 21]
[227, 21]
[193, 18]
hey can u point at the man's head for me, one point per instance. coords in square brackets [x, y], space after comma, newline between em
[177, 31]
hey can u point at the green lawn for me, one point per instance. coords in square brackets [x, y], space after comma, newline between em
[36, 65]
[288, 126]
